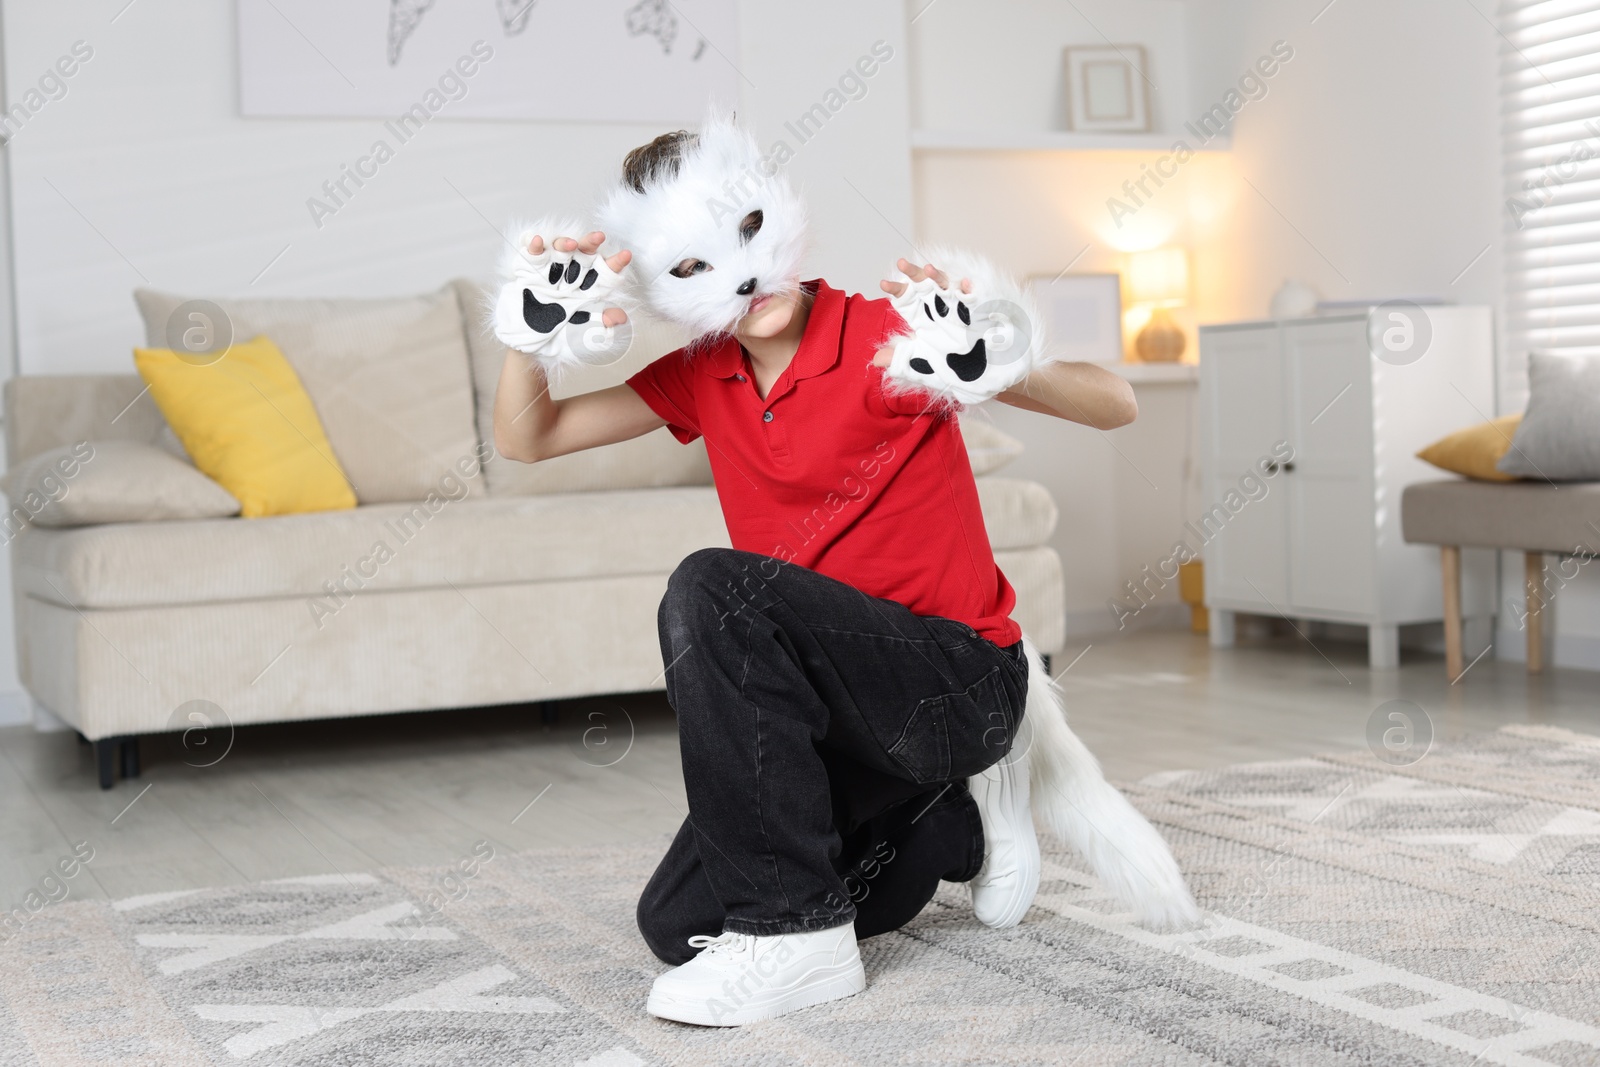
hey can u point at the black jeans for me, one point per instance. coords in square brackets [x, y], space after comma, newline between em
[826, 736]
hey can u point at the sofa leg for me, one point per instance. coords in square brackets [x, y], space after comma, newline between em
[129, 747]
[1450, 580]
[105, 761]
[1533, 581]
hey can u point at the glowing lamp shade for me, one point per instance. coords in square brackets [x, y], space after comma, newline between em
[1159, 278]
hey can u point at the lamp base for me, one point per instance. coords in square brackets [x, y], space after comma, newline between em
[1161, 341]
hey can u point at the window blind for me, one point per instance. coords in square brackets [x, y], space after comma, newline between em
[1550, 121]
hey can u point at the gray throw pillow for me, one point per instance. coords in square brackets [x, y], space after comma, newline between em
[1559, 438]
[95, 482]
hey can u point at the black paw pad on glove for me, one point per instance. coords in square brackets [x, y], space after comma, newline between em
[539, 316]
[543, 317]
[969, 365]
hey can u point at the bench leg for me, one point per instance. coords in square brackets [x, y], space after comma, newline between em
[1450, 580]
[1533, 581]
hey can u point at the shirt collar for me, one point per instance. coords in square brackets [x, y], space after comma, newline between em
[819, 345]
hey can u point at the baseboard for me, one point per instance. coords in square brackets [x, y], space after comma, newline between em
[1575, 651]
[16, 708]
[1578, 652]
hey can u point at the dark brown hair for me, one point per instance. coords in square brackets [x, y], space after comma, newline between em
[659, 158]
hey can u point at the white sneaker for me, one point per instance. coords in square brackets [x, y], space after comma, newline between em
[739, 978]
[1007, 882]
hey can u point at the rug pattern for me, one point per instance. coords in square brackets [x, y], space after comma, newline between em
[1441, 913]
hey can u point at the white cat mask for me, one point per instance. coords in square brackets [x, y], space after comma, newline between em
[722, 206]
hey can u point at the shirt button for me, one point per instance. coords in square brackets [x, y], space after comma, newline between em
[766, 416]
[740, 377]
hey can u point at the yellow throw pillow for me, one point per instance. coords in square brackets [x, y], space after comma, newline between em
[1473, 452]
[248, 424]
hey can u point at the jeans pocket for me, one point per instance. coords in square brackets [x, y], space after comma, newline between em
[956, 735]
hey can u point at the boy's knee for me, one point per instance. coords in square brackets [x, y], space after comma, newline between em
[711, 585]
[702, 568]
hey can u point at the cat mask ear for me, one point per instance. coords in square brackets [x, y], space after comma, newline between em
[710, 235]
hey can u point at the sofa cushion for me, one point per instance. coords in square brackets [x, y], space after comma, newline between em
[327, 558]
[1531, 516]
[110, 481]
[389, 378]
[655, 459]
[480, 541]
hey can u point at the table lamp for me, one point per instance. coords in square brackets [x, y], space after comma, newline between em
[1159, 279]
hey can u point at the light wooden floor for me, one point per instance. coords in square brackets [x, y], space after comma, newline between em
[421, 789]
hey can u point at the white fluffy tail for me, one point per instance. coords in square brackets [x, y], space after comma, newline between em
[1072, 798]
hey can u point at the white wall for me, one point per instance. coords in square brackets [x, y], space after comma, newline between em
[983, 65]
[144, 174]
[148, 150]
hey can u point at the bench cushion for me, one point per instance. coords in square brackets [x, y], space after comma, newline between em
[471, 542]
[1532, 516]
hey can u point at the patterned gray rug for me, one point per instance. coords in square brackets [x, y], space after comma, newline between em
[1440, 913]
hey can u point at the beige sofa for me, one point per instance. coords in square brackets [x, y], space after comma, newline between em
[521, 584]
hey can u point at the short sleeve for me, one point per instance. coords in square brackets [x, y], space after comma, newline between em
[898, 399]
[667, 386]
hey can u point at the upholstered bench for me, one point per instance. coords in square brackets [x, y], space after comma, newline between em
[1534, 517]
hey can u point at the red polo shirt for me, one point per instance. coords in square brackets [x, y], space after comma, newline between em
[833, 474]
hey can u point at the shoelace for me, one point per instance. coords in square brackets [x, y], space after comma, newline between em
[727, 943]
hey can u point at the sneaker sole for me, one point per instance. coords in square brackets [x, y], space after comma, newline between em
[818, 987]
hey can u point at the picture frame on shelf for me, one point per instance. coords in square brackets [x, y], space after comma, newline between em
[1105, 89]
[1082, 315]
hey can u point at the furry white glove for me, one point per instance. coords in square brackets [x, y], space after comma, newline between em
[550, 307]
[964, 347]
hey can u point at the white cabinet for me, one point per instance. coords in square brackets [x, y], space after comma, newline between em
[1308, 440]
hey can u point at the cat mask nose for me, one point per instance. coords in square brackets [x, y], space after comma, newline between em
[747, 288]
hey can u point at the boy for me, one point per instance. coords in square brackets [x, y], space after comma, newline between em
[847, 679]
